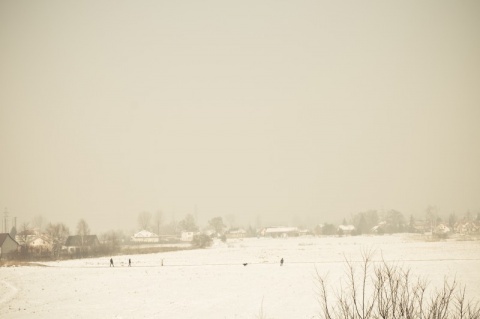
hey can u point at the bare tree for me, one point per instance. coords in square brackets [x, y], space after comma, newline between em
[24, 234]
[217, 224]
[58, 234]
[188, 224]
[431, 214]
[111, 241]
[82, 230]
[144, 220]
[38, 222]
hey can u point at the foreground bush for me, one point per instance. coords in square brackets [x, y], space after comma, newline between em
[379, 290]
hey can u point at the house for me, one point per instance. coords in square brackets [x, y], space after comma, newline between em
[8, 246]
[280, 231]
[41, 245]
[346, 229]
[380, 228]
[441, 230]
[187, 235]
[33, 242]
[81, 245]
[144, 236]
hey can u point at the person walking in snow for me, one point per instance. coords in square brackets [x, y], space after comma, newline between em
[281, 262]
[129, 262]
[111, 262]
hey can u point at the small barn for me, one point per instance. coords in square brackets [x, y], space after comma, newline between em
[236, 233]
[8, 246]
[280, 231]
[346, 229]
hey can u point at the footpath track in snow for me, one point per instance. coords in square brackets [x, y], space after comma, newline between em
[271, 263]
[8, 291]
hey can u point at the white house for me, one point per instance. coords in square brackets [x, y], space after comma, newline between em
[441, 230]
[34, 242]
[144, 236]
[40, 245]
[187, 235]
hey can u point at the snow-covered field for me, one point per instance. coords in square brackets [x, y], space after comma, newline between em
[213, 283]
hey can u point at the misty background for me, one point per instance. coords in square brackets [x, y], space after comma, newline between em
[271, 110]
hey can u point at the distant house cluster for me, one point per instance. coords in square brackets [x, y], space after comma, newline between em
[467, 227]
[36, 244]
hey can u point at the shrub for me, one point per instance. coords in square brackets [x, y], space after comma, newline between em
[388, 291]
[201, 241]
[223, 238]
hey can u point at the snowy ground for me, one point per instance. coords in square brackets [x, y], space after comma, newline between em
[213, 283]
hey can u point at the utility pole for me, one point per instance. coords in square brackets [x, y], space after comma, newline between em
[195, 213]
[5, 220]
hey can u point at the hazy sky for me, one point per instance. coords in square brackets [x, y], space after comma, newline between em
[272, 108]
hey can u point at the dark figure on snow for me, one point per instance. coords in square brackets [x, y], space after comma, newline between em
[281, 262]
[129, 262]
[245, 264]
[111, 263]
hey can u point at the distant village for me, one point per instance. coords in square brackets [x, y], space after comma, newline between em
[55, 241]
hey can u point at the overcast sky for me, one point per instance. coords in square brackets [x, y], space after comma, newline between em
[270, 108]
